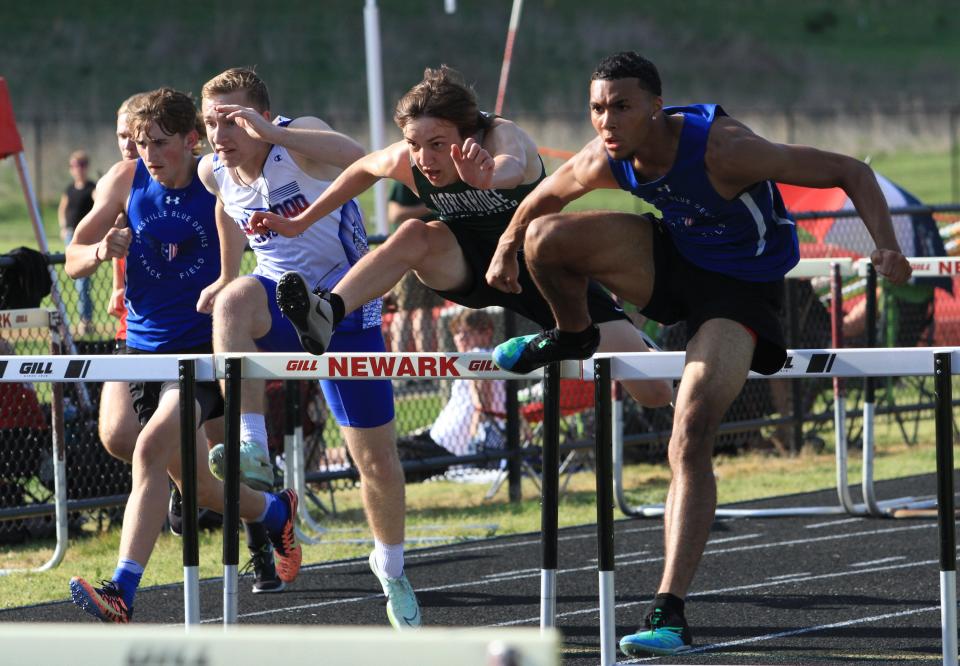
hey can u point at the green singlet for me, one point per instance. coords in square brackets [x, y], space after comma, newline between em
[485, 212]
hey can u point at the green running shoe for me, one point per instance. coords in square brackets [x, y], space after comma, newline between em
[256, 471]
[663, 635]
[403, 610]
[529, 352]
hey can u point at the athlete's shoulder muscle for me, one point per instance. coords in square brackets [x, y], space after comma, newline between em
[591, 168]
[508, 138]
[205, 173]
[309, 122]
[113, 189]
[390, 162]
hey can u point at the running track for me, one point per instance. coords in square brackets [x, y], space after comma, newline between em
[809, 590]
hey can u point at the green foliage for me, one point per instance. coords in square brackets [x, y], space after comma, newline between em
[81, 59]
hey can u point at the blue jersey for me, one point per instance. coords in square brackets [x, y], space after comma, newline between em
[750, 237]
[174, 254]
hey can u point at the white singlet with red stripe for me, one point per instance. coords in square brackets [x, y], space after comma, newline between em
[323, 253]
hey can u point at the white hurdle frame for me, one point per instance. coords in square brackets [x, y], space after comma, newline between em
[356, 366]
[186, 369]
[888, 362]
[836, 268]
[36, 318]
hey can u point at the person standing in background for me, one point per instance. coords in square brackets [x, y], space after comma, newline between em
[75, 202]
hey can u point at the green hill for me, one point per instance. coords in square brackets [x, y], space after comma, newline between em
[68, 59]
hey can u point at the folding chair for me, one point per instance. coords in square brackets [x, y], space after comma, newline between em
[576, 424]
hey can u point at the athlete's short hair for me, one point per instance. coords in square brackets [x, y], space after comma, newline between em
[172, 110]
[239, 78]
[629, 65]
[130, 103]
[442, 94]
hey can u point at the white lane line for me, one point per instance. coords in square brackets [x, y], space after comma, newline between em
[831, 523]
[792, 575]
[620, 556]
[884, 560]
[455, 548]
[733, 538]
[793, 632]
[724, 590]
[797, 542]
[520, 576]
[501, 574]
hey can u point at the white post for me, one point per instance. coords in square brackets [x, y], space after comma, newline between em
[371, 38]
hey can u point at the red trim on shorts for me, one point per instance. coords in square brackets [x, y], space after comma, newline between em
[753, 333]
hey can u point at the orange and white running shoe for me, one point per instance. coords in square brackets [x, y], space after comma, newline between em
[104, 603]
[285, 547]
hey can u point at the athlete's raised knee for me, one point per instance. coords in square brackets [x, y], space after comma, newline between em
[411, 241]
[545, 238]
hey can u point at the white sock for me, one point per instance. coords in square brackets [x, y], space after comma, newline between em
[389, 558]
[253, 428]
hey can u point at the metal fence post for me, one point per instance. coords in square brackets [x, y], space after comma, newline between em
[796, 395]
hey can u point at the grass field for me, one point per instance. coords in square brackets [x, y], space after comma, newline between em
[457, 511]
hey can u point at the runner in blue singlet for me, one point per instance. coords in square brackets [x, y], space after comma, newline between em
[172, 251]
[716, 260]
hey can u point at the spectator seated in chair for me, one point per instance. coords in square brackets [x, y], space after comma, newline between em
[472, 420]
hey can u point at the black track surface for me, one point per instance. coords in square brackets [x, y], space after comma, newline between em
[799, 590]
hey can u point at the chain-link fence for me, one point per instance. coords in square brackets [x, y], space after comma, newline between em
[861, 130]
[455, 430]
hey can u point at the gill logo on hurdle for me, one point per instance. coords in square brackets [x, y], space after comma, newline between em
[76, 369]
[818, 363]
[389, 366]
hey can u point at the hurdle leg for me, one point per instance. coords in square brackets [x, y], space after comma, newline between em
[604, 472]
[943, 382]
[869, 400]
[549, 505]
[231, 490]
[188, 483]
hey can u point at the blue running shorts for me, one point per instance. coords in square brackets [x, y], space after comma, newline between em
[355, 403]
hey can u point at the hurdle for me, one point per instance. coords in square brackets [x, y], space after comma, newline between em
[356, 366]
[184, 369]
[834, 268]
[37, 318]
[837, 363]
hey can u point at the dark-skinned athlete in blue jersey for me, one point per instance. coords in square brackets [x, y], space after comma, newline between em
[716, 260]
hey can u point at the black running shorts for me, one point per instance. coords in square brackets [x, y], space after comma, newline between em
[479, 250]
[146, 395]
[684, 292]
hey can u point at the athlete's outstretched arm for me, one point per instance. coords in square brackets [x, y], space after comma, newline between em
[502, 164]
[580, 174]
[103, 233]
[737, 158]
[307, 136]
[232, 244]
[356, 179]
